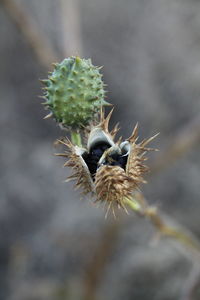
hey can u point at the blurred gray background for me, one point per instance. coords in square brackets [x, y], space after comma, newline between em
[52, 244]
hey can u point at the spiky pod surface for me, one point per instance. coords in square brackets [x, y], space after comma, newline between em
[120, 168]
[74, 92]
[135, 167]
[113, 185]
[80, 170]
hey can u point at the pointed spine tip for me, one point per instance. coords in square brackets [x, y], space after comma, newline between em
[52, 80]
[134, 134]
[48, 116]
[55, 65]
[44, 81]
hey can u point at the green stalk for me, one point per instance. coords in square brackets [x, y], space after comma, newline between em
[76, 138]
[133, 204]
[183, 238]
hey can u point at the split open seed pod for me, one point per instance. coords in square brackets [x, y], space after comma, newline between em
[110, 170]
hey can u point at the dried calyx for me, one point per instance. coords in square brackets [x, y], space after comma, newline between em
[108, 169]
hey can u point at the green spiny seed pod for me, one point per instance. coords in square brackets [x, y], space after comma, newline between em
[74, 92]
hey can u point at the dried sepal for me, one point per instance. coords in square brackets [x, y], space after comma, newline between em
[135, 167]
[112, 185]
[100, 132]
[122, 170]
[75, 161]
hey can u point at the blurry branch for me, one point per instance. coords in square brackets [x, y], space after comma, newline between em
[99, 259]
[192, 285]
[183, 237]
[179, 145]
[194, 292]
[31, 32]
[70, 27]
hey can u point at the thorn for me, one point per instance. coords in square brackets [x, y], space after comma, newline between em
[99, 68]
[147, 141]
[44, 81]
[48, 116]
[68, 179]
[52, 80]
[105, 103]
[114, 130]
[42, 97]
[67, 163]
[66, 143]
[93, 99]
[134, 134]
[107, 211]
[119, 140]
[61, 154]
[105, 121]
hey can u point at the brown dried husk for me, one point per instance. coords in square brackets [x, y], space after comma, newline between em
[112, 183]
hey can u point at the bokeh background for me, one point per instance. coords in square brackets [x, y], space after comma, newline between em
[52, 244]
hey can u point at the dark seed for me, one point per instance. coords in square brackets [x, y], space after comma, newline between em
[91, 159]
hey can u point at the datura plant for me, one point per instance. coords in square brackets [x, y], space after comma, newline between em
[108, 170]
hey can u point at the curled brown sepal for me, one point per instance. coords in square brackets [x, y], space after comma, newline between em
[75, 161]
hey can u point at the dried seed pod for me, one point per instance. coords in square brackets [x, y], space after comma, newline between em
[110, 170]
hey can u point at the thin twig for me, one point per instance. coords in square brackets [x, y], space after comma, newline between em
[32, 34]
[70, 27]
[182, 237]
[192, 285]
[100, 257]
[180, 144]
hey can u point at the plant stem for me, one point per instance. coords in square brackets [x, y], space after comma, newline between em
[183, 238]
[76, 138]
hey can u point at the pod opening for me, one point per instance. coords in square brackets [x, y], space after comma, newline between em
[116, 159]
[92, 158]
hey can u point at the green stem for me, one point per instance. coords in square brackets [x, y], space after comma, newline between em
[152, 214]
[133, 204]
[76, 138]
